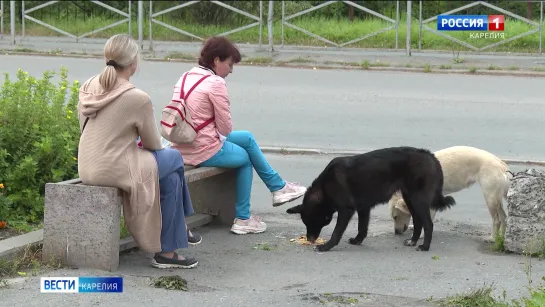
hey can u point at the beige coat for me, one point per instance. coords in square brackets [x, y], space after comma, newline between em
[109, 155]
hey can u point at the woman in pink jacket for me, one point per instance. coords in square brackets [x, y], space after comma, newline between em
[217, 145]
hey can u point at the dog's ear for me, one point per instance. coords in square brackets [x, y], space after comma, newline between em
[296, 209]
[401, 206]
[316, 196]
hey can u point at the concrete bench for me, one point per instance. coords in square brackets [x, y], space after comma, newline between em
[82, 222]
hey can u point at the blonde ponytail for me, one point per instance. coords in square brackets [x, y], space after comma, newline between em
[120, 51]
[107, 78]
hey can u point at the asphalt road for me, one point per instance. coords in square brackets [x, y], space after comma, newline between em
[356, 110]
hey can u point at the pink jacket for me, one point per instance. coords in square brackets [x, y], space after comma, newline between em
[209, 99]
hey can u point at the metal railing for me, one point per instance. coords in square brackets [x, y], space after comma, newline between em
[285, 21]
[25, 16]
[152, 20]
[395, 23]
[1, 19]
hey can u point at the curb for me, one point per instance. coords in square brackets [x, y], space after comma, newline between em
[287, 151]
[478, 71]
[13, 245]
[14, 281]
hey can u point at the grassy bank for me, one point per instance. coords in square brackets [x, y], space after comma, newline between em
[338, 31]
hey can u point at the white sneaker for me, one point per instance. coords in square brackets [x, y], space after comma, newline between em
[289, 192]
[252, 225]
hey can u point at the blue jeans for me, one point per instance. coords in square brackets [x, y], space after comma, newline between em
[241, 151]
[175, 199]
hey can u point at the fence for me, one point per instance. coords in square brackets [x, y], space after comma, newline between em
[395, 23]
[152, 20]
[25, 16]
[285, 21]
[539, 26]
[1, 19]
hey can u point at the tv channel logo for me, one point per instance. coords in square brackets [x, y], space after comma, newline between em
[81, 284]
[471, 23]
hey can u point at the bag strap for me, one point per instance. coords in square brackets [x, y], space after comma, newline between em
[87, 119]
[184, 97]
[84, 124]
[199, 127]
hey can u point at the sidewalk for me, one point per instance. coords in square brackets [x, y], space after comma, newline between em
[326, 57]
[269, 270]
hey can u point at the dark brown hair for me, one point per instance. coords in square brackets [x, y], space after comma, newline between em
[218, 46]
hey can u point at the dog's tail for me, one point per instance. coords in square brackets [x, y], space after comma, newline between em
[508, 175]
[443, 202]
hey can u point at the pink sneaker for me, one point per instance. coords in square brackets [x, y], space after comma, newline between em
[291, 191]
[252, 225]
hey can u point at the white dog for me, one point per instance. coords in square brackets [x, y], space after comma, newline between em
[462, 167]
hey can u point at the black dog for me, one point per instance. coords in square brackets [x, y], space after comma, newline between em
[360, 182]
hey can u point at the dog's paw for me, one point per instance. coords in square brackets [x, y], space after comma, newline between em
[409, 242]
[355, 241]
[489, 239]
[322, 248]
[422, 248]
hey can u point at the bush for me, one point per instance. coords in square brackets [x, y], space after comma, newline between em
[39, 135]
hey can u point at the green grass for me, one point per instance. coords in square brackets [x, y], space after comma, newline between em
[258, 60]
[180, 56]
[21, 227]
[337, 31]
[499, 243]
[427, 68]
[28, 261]
[123, 230]
[483, 297]
[480, 297]
[174, 282]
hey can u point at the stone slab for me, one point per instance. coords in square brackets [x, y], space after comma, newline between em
[201, 181]
[192, 173]
[525, 229]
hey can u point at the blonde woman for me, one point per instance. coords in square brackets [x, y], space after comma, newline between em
[113, 113]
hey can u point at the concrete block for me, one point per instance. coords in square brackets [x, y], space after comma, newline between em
[525, 229]
[213, 192]
[82, 225]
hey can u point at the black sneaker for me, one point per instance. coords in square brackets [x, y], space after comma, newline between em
[194, 238]
[161, 262]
